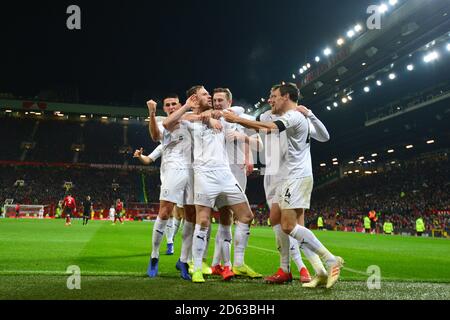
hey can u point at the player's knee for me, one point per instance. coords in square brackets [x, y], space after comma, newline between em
[203, 222]
[164, 212]
[287, 227]
[247, 218]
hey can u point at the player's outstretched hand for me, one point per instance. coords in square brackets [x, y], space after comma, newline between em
[138, 153]
[192, 102]
[216, 125]
[151, 106]
[216, 114]
[230, 116]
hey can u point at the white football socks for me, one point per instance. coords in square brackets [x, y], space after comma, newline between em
[169, 231]
[158, 234]
[242, 234]
[208, 237]
[227, 239]
[218, 248]
[186, 246]
[295, 253]
[199, 246]
[307, 239]
[282, 240]
[315, 261]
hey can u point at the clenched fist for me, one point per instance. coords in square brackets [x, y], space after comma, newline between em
[151, 106]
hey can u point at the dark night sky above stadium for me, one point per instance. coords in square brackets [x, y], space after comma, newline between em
[128, 51]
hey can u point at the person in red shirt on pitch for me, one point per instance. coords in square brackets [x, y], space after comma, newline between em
[119, 208]
[69, 208]
[17, 210]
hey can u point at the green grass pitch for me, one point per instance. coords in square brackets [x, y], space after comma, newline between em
[35, 254]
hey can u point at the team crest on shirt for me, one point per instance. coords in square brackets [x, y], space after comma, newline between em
[165, 192]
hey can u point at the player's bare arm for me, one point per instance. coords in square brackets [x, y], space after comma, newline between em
[155, 133]
[250, 124]
[173, 120]
[138, 154]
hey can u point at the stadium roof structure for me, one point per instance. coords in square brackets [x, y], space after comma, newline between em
[382, 89]
[48, 110]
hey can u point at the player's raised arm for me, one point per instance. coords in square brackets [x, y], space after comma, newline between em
[138, 154]
[155, 133]
[250, 124]
[172, 121]
[318, 130]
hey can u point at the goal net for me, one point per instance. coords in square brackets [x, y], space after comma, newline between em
[26, 211]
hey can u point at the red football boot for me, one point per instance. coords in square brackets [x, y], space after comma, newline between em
[305, 276]
[280, 277]
[217, 270]
[227, 274]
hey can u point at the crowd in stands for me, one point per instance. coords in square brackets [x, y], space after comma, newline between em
[45, 185]
[400, 193]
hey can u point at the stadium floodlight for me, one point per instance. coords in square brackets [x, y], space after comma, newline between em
[410, 67]
[305, 67]
[308, 65]
[340, 41]
[327, 52]
[328, 108]
[393, 162]
[350, 34]
[60, 115]
[301, 71]
[315, 93]
[335, 104]
[366, 89]
[38, 114]
[293, 76]
[374, 154]
[323, 164]
[392, 76]
[431, 57]
[356, 171]
[383, 8]
[430, 141]
[448, 46]
[361, 158]
[350, 98]
[317, 59]
[364, 64]
[368, 172]
[8, 111]
[393, 2]
[391, 151]
[335, 163]
[126, 119]
[344, 100]
[335, 160]
[379, 83]
[82, 116]
[358, 28]
[409, 146]
[104, 118]
[337, 80]
[351, 162]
